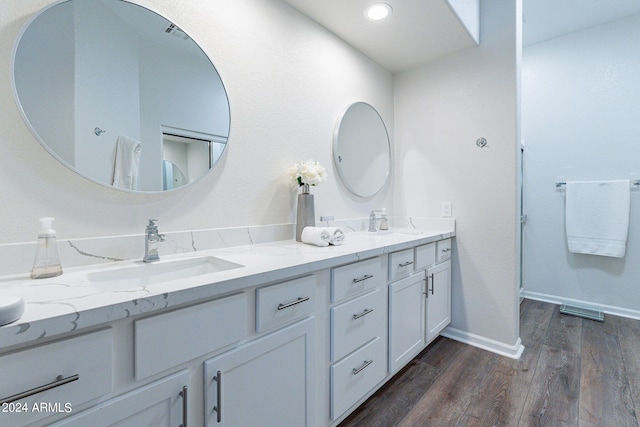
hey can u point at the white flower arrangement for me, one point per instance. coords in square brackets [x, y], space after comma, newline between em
[308, 172]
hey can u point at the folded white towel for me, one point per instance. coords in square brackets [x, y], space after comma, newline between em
[125, 171]
[597, 217]
[322, 236]
[337, 235]
[318, 236]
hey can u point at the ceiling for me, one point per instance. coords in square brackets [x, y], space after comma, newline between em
[547, 19]
[420, 31]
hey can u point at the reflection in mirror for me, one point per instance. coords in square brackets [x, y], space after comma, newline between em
[87, 73]
[361, 150]
[192, 153]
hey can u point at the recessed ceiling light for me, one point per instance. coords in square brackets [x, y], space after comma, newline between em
[378, 11]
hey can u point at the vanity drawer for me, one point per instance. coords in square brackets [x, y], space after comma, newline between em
[354, 279]
[284, 303]
[425, 256]
[356, 322]
[356, 375]
[400, 264]
[82, 366]
[443, 248]
[169, 339]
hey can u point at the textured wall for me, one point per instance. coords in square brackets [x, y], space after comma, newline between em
[287, 79]
[441, 109]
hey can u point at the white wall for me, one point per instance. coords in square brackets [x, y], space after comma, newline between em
[581, 97]
[441, 110]
[287, 80]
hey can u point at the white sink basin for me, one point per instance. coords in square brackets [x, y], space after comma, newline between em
[148, 274]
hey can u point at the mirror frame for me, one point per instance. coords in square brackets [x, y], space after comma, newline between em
[337, 160]
[34, 15]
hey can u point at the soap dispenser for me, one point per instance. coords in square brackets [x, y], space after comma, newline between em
[47, 262]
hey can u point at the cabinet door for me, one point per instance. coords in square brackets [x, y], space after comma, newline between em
[159, 404]
[438, 299]
[406, 320]
[267, 382]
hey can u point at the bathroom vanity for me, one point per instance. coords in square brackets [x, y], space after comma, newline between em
[270, 334]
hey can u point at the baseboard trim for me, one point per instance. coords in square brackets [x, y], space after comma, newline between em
[608, 309]
[511, 351]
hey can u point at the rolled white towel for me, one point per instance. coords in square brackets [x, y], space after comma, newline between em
[337, 235]
[318, 236]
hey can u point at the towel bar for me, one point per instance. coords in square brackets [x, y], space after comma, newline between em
[635, 183]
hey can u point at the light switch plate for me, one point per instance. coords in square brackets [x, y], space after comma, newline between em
[447, 209]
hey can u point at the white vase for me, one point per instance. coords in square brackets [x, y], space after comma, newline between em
[306, 216]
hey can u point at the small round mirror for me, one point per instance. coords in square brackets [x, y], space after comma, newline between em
[361, 150]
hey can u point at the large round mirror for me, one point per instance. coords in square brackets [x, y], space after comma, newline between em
[361, 150]
[117, 92]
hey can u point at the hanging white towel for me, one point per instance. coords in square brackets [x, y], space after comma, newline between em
[597, 217]
[125, 171]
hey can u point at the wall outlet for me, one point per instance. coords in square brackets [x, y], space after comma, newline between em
[447, 209]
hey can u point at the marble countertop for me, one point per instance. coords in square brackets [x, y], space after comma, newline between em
[70, 302]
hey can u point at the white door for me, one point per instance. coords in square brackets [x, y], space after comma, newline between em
[267, 382]
[159, 404]
[406, 320]
[438, 299]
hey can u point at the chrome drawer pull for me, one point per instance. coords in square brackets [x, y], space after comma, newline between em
[446, 250]
[292, 303]
[364, 313]
[366, 363]
[60, 380]
[183, 394]
[405, 264]
[218, 407]
[363, 278]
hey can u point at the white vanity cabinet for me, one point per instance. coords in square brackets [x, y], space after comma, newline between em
[358, 332]
[438, 299]
[169, 339]
[55, 378]
[406, 320]
[419, 305]
[439, 291]
[298, 347]
[161, 403]
[266, 382]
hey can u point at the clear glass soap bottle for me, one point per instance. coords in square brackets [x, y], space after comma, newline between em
[47, 262]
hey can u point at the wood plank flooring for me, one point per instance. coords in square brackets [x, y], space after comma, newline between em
[573, 372]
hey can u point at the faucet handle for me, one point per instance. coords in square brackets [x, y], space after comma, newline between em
[152, 223]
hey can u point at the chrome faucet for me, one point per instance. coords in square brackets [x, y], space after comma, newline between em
[151, 240]
[373, 220]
